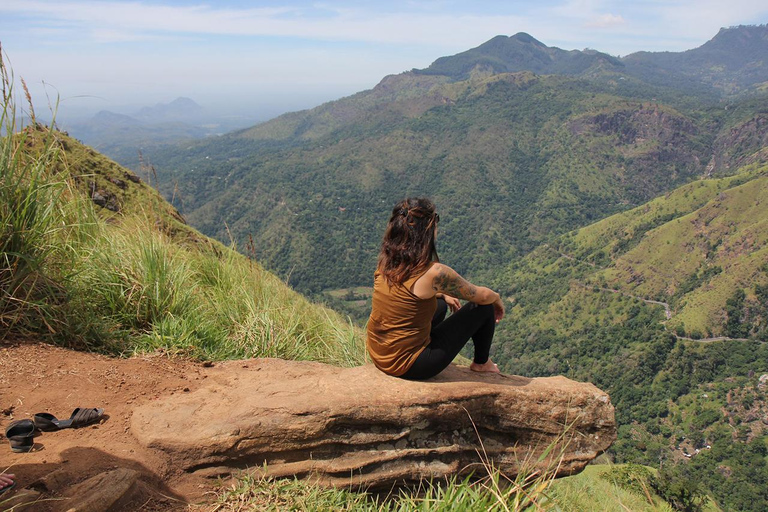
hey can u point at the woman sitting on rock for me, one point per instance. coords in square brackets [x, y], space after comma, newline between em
[407, 336]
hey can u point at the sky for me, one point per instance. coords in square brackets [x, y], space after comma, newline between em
[268, 57]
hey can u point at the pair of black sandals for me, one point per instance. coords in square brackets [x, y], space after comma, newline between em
[21, 433]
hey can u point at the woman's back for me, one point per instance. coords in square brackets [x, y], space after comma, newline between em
[399, 325]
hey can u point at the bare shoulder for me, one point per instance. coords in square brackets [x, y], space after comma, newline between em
[441, 269]
[438, 268]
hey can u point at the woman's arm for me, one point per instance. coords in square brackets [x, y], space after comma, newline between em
[453, 303]
[447, 281]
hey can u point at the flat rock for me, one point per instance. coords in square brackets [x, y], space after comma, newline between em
[360, 427]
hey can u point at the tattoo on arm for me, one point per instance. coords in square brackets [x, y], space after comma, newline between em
[449, 282]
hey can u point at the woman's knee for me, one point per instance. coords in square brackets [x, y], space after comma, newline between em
[486, 310]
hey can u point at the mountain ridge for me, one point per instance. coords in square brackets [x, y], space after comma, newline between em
[517, 53]
[520, 52]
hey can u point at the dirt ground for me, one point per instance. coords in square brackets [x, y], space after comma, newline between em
[36, 377]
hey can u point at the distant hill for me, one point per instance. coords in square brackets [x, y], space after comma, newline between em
[107, 119]
[122, 136]
[180, 109]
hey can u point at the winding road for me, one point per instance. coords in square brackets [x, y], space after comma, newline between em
[667, 309]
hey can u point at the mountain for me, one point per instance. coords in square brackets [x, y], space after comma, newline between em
[519, 52]
[731, 62]
[180, 109]
[547, 153]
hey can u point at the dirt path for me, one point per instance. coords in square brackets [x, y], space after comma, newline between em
[36, 377]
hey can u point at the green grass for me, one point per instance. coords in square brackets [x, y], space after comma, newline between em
[493, 493]
[136, 289]
[596, 489]
[612, 488]
[31, 214]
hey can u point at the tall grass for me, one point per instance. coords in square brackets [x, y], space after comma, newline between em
[30, 216]
[127, 283]
[150, 292]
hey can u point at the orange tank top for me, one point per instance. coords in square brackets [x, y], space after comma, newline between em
[399, 325]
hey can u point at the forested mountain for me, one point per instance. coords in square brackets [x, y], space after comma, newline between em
[520, 52]
[618, 204]
[546, 153]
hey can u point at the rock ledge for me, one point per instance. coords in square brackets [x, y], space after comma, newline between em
[359, 427]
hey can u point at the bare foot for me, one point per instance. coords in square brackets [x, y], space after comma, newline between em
[487, 367]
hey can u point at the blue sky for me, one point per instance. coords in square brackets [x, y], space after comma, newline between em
[269, 57]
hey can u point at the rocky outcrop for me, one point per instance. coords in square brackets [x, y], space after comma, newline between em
[743, 144]
[359, 427]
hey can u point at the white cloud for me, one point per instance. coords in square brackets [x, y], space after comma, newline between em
[318, 22]
[606, 21]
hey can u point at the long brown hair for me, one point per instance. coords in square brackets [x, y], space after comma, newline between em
[409, 241]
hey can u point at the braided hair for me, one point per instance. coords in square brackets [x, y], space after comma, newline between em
[409, 240]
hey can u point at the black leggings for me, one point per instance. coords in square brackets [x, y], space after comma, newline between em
[448, 337]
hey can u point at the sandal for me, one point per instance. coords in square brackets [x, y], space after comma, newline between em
[80, 417]
[21, 435]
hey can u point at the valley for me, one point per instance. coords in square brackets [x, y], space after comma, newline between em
[618, 205]
[620, 209]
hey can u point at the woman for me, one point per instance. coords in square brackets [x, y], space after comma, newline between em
[406, 334]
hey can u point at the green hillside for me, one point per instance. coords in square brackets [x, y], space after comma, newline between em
[692, 248]
[636, 303]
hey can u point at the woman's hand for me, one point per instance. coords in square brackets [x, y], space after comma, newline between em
[498, 310]
[454, 304]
